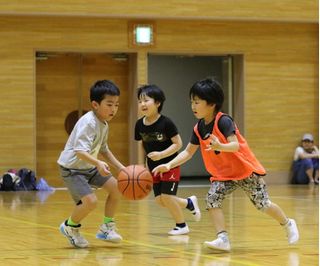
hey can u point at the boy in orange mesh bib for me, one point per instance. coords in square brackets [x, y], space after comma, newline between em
[228, 158]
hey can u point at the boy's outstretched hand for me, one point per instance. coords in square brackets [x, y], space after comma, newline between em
[162, 168]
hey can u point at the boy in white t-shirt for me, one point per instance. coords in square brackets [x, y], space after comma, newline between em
[81, 169]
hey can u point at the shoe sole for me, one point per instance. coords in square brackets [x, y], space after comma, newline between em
[196, 208]
[179, 234]
[101, 237]
[206, 244]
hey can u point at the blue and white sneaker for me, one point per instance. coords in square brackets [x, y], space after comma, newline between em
[108, 232]
[73, 235]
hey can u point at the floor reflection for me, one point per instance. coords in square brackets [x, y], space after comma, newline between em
[14, 200]
[221, 261]
[181, 239]
[74, 257]
[293, 259]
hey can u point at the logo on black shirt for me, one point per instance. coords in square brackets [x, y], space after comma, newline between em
[153, 136]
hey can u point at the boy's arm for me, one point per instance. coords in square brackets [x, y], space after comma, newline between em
[306, 155]
[316, 151]
[112, 160]
[173, 148]
[144, 154]
[181, 158]
[103, 167]
[216, 145]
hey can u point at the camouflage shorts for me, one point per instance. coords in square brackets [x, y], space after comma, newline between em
[254, 186]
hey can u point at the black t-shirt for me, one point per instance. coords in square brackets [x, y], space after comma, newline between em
[156, 137]
[225, 125]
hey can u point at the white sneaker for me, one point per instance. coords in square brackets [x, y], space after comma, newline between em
[219, 244]
[196, 212]
[108, 232]
[72, 233]
[179, 231]
[292, 231]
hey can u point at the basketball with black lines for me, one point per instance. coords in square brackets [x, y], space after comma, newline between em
[135, 182]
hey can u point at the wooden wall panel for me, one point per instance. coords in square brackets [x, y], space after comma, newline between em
[281, 74]
[104, 66]
[63, 86]
[274, 10]
[57, 85]
[17, 128]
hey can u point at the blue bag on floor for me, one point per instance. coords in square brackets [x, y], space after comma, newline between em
[42, 185]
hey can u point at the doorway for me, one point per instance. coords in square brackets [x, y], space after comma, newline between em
[175, 74]
[63, 82]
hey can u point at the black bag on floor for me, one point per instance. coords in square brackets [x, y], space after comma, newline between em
[7, 183]
[28, 180]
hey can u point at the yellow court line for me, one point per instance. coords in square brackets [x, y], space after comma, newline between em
[136, 243]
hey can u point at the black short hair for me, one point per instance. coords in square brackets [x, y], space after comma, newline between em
[154, 92]
[209, 90]
[101, 88]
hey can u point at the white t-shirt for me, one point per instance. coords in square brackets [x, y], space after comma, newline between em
[299, 150]
[90, 135]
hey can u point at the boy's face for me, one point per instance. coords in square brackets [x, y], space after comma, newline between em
[201, 109]
[107, 108]
[147, 105]
[307, 145]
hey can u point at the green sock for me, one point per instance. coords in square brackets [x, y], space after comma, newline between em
[71, 223]
[107, 219]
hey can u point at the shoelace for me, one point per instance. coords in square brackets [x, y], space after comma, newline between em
[111, 227]
[75, 231]
[80, 238]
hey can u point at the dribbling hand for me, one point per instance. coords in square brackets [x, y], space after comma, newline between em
[103, 168]
[162, 168]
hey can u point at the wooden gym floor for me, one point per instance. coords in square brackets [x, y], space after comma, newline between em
[30, 235]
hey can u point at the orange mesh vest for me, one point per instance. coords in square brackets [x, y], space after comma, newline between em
[229, 165]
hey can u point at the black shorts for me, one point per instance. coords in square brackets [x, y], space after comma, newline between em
[165, 187]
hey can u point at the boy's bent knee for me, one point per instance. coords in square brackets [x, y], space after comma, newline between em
[213, 201]
[263, 206]
[307, 163]
[159, 201]
[90, 201]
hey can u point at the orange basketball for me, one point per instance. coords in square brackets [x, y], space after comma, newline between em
[135, 182]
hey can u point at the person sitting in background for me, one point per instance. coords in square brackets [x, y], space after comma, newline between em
[306, 162]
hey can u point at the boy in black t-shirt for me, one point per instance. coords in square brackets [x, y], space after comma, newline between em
[161, 142]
